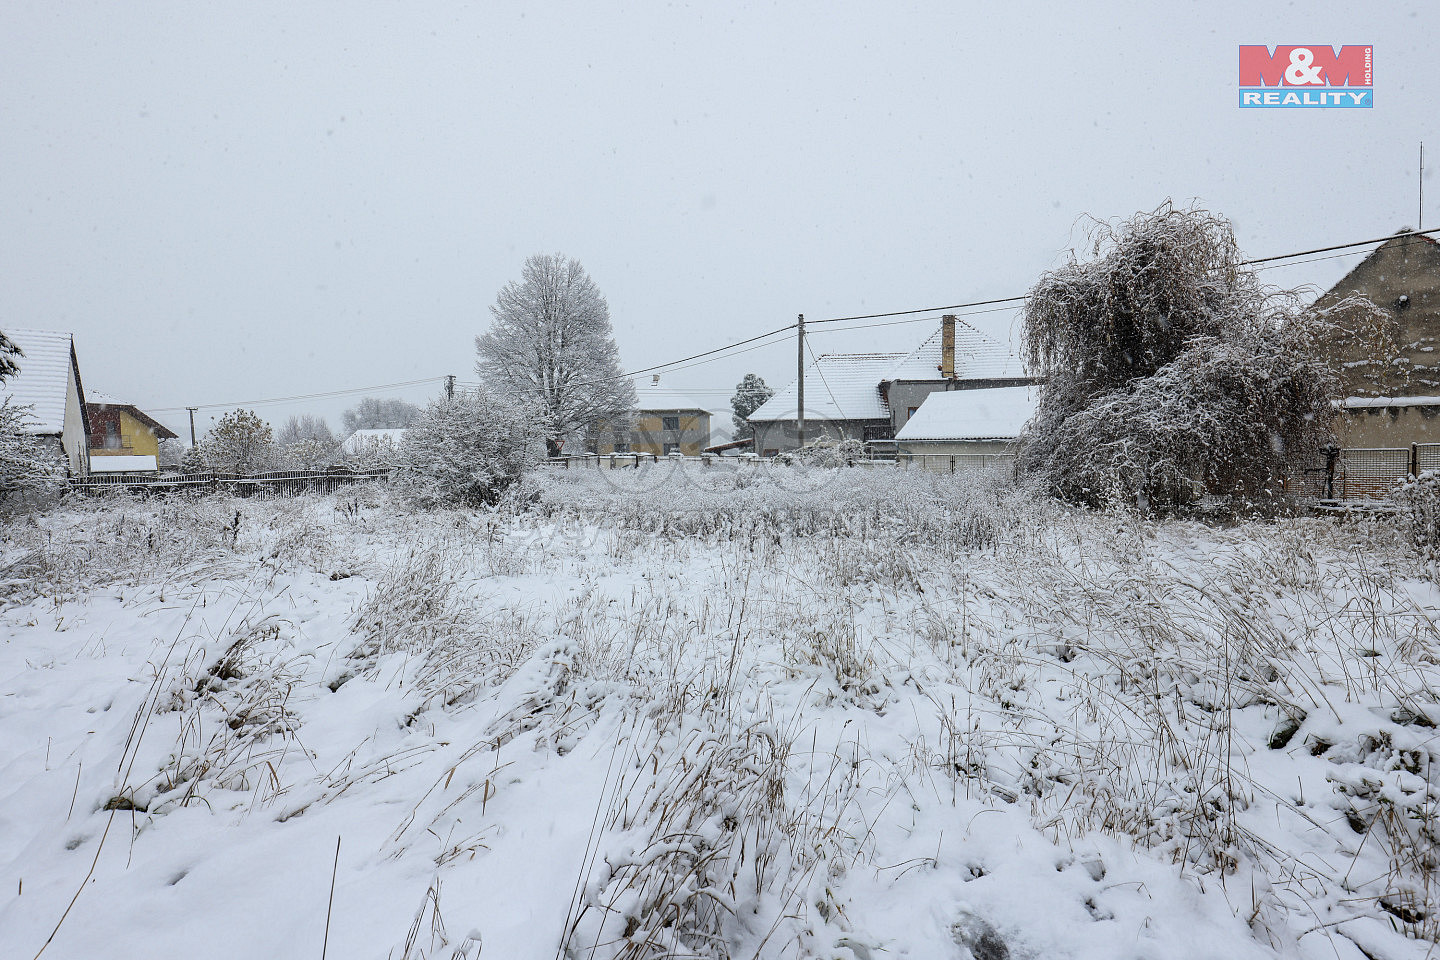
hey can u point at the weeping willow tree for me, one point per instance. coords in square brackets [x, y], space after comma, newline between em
[1171, 372]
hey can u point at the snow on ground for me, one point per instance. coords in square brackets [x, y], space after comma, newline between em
[833, 714]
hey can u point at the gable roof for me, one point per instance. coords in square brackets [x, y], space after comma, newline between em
[838, 386]
[44, 378]
[99, 401]
[977, 357]
[995, 413]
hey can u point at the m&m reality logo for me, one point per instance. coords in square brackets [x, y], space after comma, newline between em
[1306, 76]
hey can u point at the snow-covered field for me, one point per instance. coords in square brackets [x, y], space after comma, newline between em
[840, 714]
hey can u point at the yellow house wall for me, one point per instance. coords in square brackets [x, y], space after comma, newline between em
[136, 440]
[647, 435]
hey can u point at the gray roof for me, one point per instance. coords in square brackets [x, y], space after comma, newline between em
[838, 386]
[43, 379]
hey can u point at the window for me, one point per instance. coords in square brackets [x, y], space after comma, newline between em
[671, 448]
[669, 423]
[112, 435]
[622, 446]
[911, 412]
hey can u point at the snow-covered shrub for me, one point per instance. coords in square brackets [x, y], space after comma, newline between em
[26, 467]
[1172, 372]
[468, 450]
[241, 443]
[1419, 512]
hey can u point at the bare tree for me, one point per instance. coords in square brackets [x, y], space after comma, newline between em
[375, 413]
[1172, 372]
[305, 443]
[551, 347]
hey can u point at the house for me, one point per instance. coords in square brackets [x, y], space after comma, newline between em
[49, 383]
[659, 432]
[1392, 400]
[122, 436]
[979, 423]
[870, 397]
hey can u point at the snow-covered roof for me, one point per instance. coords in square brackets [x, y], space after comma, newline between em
[43, 379]
[362, 440]
[838, 386]
[977, 357]
[997, 413]
[121, 464]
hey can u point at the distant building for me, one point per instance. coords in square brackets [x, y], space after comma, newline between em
[657, 432]
[123, 437]
[1393, 401]
[871, 396]
[49, 383]
[968, 423]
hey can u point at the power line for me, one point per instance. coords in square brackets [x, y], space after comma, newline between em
[303, 396]
[698, 359]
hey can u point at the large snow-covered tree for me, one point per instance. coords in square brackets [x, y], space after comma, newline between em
[1172, 372]
[469, 449]
[551, 347]
[750, 393]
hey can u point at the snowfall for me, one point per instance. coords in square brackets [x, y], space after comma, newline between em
[729, 712]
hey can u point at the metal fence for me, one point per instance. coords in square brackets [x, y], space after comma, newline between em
[1364, 473]
[275, 483]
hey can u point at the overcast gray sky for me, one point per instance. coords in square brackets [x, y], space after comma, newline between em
[246, 201]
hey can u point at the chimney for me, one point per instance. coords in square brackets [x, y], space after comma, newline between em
[947, 347]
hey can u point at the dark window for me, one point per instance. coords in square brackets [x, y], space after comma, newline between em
[622, 447]
[669, 423]
[671, 448]
[112, 435]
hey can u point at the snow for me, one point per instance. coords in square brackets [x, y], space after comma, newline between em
[995, 413]
[843, 386]
[828, 714]
[119, 464]
[1361, 403]
[43, 379]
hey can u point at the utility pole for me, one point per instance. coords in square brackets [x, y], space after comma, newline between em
[449, 386]
[1420, 220]
[192, 424]
[800, 363]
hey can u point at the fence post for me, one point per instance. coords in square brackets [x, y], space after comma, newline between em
[1415, 459]
[1332, 454]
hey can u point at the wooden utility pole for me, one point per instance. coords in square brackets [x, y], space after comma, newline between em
[449, 386]
[800, 363]
[192, 424]
[1420, 220]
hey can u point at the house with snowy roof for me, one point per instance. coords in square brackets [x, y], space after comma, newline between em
[983, 423]
[1392, 399]
[123, 438]
[869, 397]
[49, 384]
